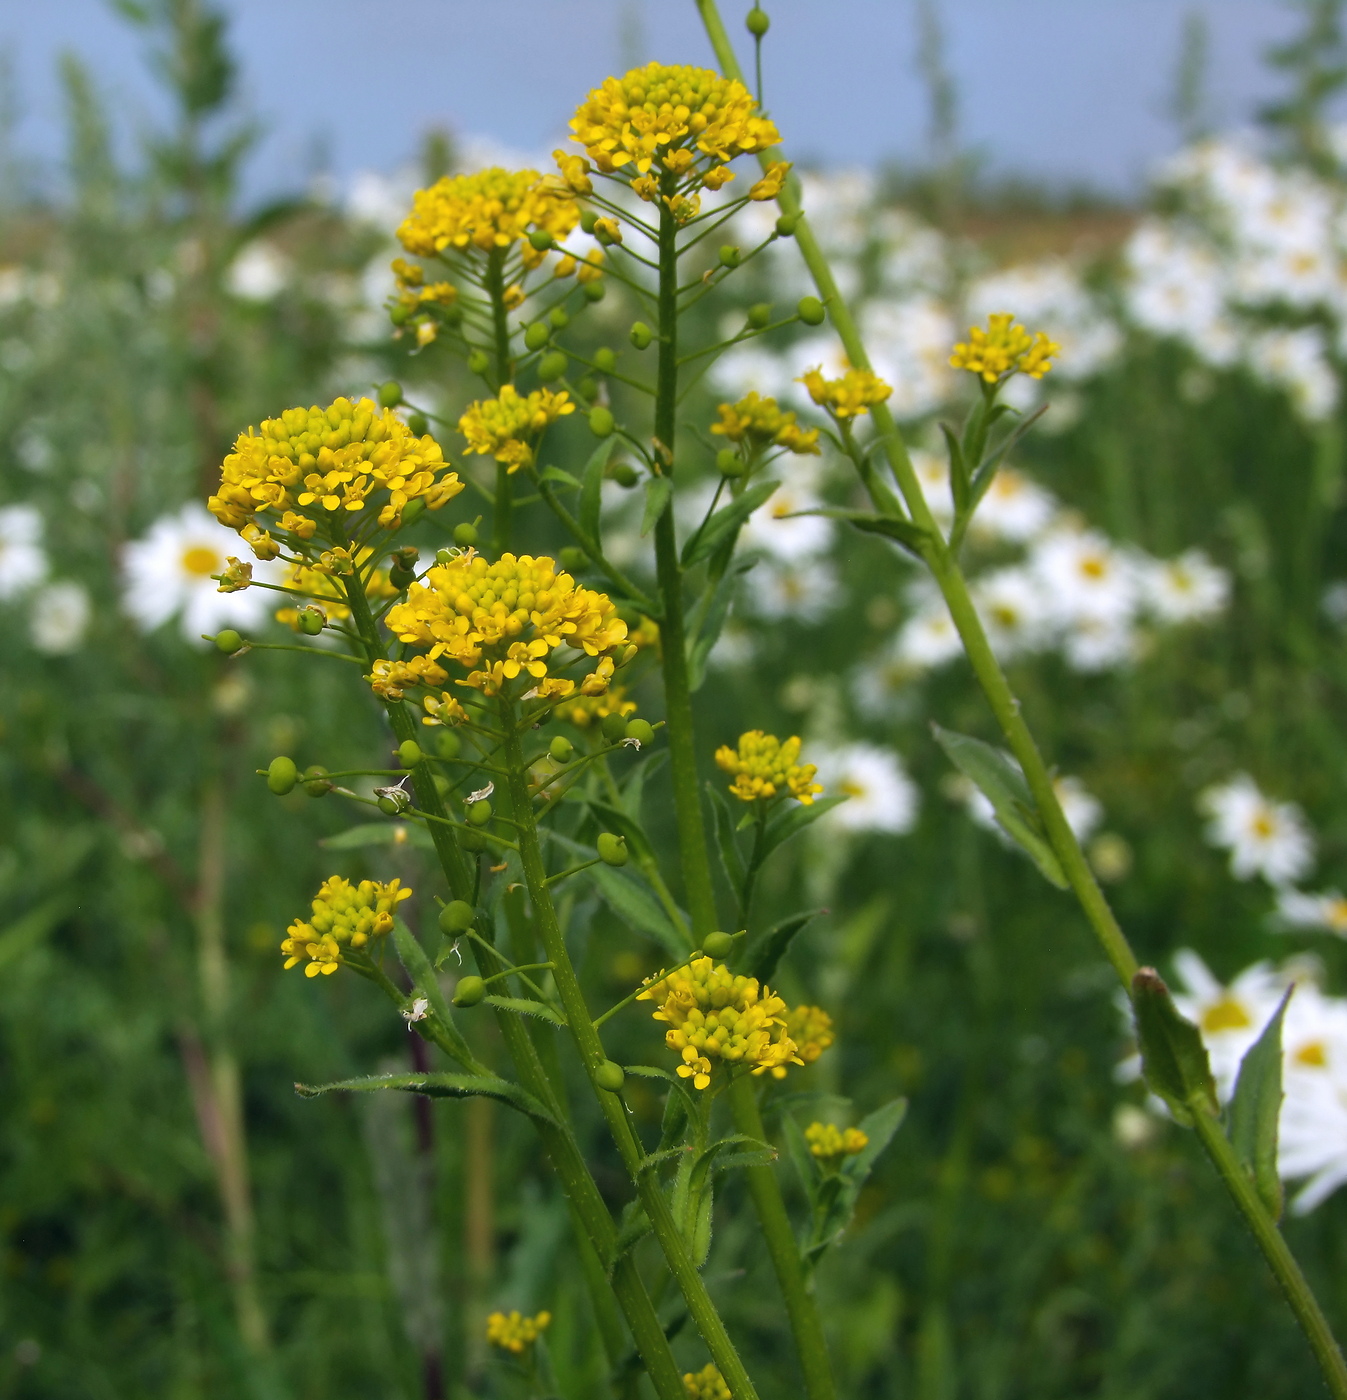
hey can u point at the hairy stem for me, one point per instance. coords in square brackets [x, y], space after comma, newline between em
[495, 285]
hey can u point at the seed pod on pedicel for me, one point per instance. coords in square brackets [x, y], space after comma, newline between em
[757, 23]
[612, 849]
[311, 621]
[465, 534]
[610, 1076]
[717, 945]
[418, 424]
[601, 422]
[409, 753]
[469, 991]
[479, 813]
[228, 641]
[730, 256]
[641, 730]
[594, 291]
[457, 917]
[537, 335]
[478, 362]
[390, 394]
[316, 781]
[760, 315]
[414, 509]
[552, 366]
[605, 359]
[558, 317]
[729, 462]
[282, 775]
[810, 311]
[786, 225]
[561, 749]
[624, 474]
[641, 335]
[572, 557]
[472, 841]
[541, 240]
[588, 218]
[614, 728]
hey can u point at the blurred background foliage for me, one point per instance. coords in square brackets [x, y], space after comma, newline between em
[175, 1222]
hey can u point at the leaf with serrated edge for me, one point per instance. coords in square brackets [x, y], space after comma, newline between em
[1173, 1058]
[525, 1006]
[1255, 1110]
[438, 1086]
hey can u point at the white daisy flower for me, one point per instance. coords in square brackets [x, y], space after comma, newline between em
[933, 473]
[779, 530]
[22, 562]
[1266, 838]
[780, 588]
[1013, 609]
[1187, 589]
[1014, 508]
[881, 796]
[1085, 576]
[1093, 644]
[260, 272]
[59, 617]
[928, 638]
[1326, 911]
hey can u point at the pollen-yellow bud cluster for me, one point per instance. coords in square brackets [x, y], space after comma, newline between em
[515, 1333]
[811, 1028]
[325, 460]
[1004, 348]
[585, 710]
[507, 427]
[391, 679]
[345, 917]
[486, 212]
[504, 620]
[830, 1144]
[765, 766]
[687, 121]
[856, 392]
[771, 183]
[706, 1384]
[718, 1017]
[323, 587]
[762, 423]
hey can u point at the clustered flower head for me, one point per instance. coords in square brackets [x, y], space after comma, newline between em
[585, 710]
[507, 427]
[760, 423]
[718, 1017]
[856, 392]
[830, 1144]
[765, 766]
[503, 620]
[327, 461]
[488, 212]
[811, 1028]
[689, 122]
[706, 1384]
[1004, 348]
[345, 917]
[513, 1332]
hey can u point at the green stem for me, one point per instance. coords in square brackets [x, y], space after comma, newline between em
[504, 499]
[801, 1305]
[592, 1054]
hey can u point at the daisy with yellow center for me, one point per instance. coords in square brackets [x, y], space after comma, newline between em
[345, 918]
[856, 392]
[515, 1333]
[1004, 348]
[508, 427]
[764, 766]
[759, 423]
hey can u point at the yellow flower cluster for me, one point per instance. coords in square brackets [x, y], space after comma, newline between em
[344, 916]
[673, 114]
[830, 1144]
[855, 393]
[1004, 348]
[718, 1016]
[585, 710]
[321, 584]
[328, 459]
[391, 679]
[514, 1332]
[762, 423]
[811, 1028]
[506, 618]
[508, 426]
[764, 766]
[706, 1384]
[491, 210]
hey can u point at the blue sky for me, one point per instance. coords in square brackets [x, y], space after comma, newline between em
[1066, 90]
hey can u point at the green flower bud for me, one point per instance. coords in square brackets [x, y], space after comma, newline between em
[612, 849]
[641, 335]
[469, 991]
[478, 362]
[605, 359]
[448, 743]
[390, 394]
[444, 556]
[760, 315]
[472, 840]
[418, 425]
[609, 1076]
[282, 775]
[311, 621]
[717, 945]
[465, 534]
[558, 317]
[614, 728]
[479, 813]
[787, 224]
[316, 782]
[757, 22]
[409, 753]
[561, 749]
[587, 387]
[398, 314]
[552, 366]
[594, 291]
[588, 218]
[541, 239]
[729, 462]
[601, 421]
[624, 474]
[730, 256]
[401, 578]
[456, 917]
[641, 730]
[810, 311]
[572, 557]
[537, 335]
[415, 508]
[228, 641]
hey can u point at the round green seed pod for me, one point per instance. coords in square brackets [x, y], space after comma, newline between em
[465, 534]
[478, 362]
[786, 225]
[624, 474]
[311, 621]
[228, 641]
[601, 421]
[558, 317]
[398, 314]
[390, 394]
[730, 256]
[641, 730]
[418, 425]
[479, 813]
[588, 387]
[400, 578]
[541, 239]
[409, 753]
[717, 945]
[609, 1076]
[612, 849]
[282, 775]
[757, 23]
[605, 360]
[594, 291]
[760, 315]
[641, 335]
[448, 743]
[614, 728]
[414, 509]
[472, 841]
[469, 991]
[572, 557]
[316, 782]
[561, 749]
[552, 366]
[588, 218]
[729, 462]
[810, 311]
[457, 916]
[389, 807]
[537, 335]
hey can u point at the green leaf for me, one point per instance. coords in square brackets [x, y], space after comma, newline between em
[380, 834]
[633, 788]
[795, 818]
[634, 906]
[439, 1086]
[633, 1228]
[1003, 785]
[1256, 1108]
[705, 631]
[879, 1127]
[1173, 1058]
[904, 532]
[658, 493]
[526, 1006]
[30, 928]
[426, 984]
[725, 523]
[591, 493]
[564, 477]
[616, 820]
[731, 859]
[767, 950]
[958, 470]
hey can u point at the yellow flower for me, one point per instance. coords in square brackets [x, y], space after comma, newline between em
[764, 766]
[506, 427]
[672, 115]
[811, 1028]
[770, 184]
[390, 679]
[585, 710]
[514, 1332]
[445, 710]
[716, 1016]
[574, 172]
[345, 917]
[236, 576]
[830, 1144]
[321, 585]
[328, 460]
[855, 393]
[706, 1384]
[489, 211]
[505, 619]
[1004, 348]
[762, 423]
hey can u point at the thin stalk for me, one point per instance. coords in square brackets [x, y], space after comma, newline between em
[504, 501]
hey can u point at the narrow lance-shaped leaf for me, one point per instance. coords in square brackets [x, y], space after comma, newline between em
[1173, 1058]
[438, 1086]
[731, 859]
[658, 491]
[767, 950]
[418, 968]
[1256, 1108]
[591, 493]
[727, 520]
[380, 834]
